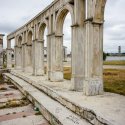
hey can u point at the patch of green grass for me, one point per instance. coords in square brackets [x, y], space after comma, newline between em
[114, 62]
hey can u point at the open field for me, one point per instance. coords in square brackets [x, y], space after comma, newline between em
[114, 62]
[114, 79]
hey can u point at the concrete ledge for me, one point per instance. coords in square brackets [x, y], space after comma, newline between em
[52, 110]
[83, 112]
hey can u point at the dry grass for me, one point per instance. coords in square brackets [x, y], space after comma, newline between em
[114, 63]
[114, 80]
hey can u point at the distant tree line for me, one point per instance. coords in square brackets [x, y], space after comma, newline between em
[104, 56]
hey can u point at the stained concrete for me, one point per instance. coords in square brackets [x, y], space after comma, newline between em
[52, 110]
[108, 108]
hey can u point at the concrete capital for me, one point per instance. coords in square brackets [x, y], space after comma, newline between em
[9, 49]
[51, 34]
[29, 44]
[40, 41]
[24, 44]
[75, 25]
[59, 35]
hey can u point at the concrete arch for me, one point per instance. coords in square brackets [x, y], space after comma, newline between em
[61, 17]
[41, 30]
[30, 37]
[98, 10]
[20, 40]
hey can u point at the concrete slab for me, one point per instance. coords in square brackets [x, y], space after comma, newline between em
[108, 108]
[52, 110]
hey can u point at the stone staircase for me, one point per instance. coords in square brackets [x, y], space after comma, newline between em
[52, 110]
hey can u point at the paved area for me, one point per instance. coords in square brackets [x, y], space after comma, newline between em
[13, 111]
[108, 106]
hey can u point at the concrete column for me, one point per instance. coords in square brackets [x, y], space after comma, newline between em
[28, 59]
[38, 63]
[56, 73]
[49, 55]
[78, 40]
[93, 83]
[23, 56]
[18, 57]
[9, 54]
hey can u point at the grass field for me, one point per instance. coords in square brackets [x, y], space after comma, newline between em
[114, 80]
[114, 63]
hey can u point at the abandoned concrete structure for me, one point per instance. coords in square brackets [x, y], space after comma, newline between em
[87, 44]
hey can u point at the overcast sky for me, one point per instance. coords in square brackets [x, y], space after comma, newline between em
[15, 13]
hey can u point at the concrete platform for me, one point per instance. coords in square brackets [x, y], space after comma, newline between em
[108, 109]
[52, 110]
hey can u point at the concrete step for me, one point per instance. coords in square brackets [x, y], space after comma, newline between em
[52, 110]
[83, 112]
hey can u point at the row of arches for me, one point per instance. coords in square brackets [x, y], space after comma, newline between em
[42, 36]
[86, 44]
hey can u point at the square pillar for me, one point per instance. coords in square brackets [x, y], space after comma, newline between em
[9, 58]
[56, 68]
[93, 82]
[78, 48]
[28, 58]
[78, 61]
[38, 53]
[23, 57]
[18, 57]
[9, 54]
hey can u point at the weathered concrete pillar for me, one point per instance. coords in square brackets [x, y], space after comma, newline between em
[38, 64]
[78, 40]
[9, 54]
[93, 83]
[23, 56]
[49, 55]
[56, 73]
[18, 57]
[28, 59]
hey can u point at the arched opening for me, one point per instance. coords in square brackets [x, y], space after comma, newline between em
[19, 41]
[67, 53]
[29, 52]
[43, 39]
[64, 34]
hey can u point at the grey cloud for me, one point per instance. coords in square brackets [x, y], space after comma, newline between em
[15, 14]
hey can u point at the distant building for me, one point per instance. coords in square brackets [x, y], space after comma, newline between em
[119, 50]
